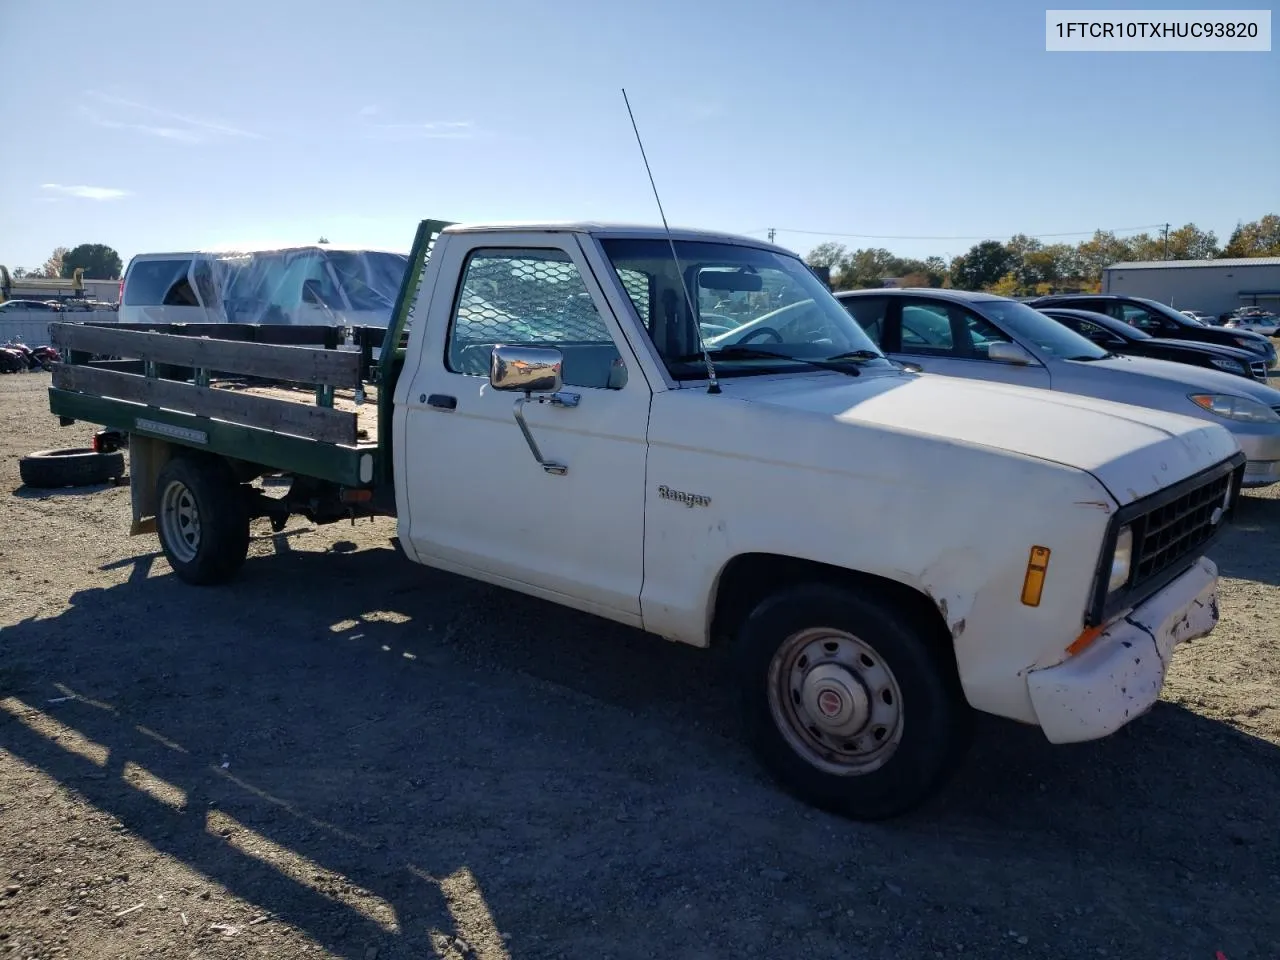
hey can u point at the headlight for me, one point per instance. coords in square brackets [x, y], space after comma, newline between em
[1231, 366]
[1235, 408]
[1121, 560]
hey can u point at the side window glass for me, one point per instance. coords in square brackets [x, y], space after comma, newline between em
[535, 298]
[926, 329]
[287, 292]
[1097, 334]
[869, 313]
[1140, 318]
[981, 334]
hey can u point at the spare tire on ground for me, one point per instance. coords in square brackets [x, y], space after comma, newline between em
[73, 467]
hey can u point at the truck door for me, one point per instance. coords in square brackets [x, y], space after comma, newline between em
[471, 495]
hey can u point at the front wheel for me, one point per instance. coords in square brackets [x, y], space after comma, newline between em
[201, 519]
[849, 703]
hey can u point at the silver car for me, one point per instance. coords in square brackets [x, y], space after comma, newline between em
[985, 337]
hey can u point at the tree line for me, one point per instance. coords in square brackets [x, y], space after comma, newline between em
[1024, 266]
[99, 262]
[1020, 266]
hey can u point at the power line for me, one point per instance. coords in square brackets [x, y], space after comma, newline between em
[985, 236]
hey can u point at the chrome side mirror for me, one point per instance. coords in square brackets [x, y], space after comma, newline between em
[1013, 353]
[525, 369]
[531, 370]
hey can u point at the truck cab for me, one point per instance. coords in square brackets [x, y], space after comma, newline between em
[685, 432]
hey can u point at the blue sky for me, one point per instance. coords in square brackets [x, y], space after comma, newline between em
[214, 124]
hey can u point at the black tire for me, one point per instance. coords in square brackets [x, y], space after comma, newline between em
[934, 721]
[203, 487]
[73, 467]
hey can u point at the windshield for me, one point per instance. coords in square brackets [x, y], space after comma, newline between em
[743, 297]
[371, 280]
[1045, 333]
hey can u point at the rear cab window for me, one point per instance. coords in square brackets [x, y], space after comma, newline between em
[154, 283]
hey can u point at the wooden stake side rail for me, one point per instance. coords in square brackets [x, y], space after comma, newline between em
[312, 365]
[281, 416]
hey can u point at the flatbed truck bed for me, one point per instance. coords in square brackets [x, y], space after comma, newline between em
[285, 399]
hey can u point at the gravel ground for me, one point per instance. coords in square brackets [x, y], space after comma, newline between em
[345, 755]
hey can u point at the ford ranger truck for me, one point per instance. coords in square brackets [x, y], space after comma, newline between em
[565, 410]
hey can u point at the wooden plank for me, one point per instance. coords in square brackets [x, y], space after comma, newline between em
[326, 461]
[336, 368]
[280, 416]
[318, 335]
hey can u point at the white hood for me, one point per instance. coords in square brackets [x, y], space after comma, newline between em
[1132, 451]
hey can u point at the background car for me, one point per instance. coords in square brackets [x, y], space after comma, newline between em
[1159, 320]
[1119, 337]
[27, 306]
[1204, 319]
[1255, 321]
[984, 337]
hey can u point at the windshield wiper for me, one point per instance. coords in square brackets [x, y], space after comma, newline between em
[857, 355]
[839, 363]
[1106, 356]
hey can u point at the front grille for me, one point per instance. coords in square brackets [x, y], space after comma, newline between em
[1276, 408]
[1175, 530]
[1171, 528]
[1259, 369]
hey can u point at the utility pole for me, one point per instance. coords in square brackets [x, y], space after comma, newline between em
[771, 234]
[1166, 241]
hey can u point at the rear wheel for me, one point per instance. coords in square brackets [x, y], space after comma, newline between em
[201, 519]
[850, 704]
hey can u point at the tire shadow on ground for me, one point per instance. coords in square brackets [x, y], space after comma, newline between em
[391, 728]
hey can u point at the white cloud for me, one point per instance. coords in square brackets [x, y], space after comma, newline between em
[85, 193]
[168, 133]
[438, 130]
[179, 127]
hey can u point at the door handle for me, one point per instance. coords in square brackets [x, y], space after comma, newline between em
[442, 401]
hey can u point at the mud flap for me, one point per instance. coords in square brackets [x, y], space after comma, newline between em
[147, 455]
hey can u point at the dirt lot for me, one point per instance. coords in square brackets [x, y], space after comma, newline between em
[344, 755]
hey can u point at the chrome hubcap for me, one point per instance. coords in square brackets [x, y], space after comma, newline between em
[180, 520]
[836, 701]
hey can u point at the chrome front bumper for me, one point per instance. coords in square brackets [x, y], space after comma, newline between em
[1119, 676]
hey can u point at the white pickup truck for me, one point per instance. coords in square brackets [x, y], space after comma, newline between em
[885, 552]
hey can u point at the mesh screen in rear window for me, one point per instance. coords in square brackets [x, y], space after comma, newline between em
[149, 281]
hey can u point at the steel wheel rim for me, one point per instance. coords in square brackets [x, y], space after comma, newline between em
[836, 701]
[180, 520]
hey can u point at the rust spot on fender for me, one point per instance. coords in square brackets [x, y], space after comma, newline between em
[942, 606]
[957, 629]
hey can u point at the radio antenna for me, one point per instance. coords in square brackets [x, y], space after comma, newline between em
[714, 386]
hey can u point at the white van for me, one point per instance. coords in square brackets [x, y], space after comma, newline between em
[296, 285]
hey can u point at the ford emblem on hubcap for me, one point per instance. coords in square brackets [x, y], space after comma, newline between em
[829, 703]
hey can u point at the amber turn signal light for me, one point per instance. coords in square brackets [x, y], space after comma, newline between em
[1033, 582]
